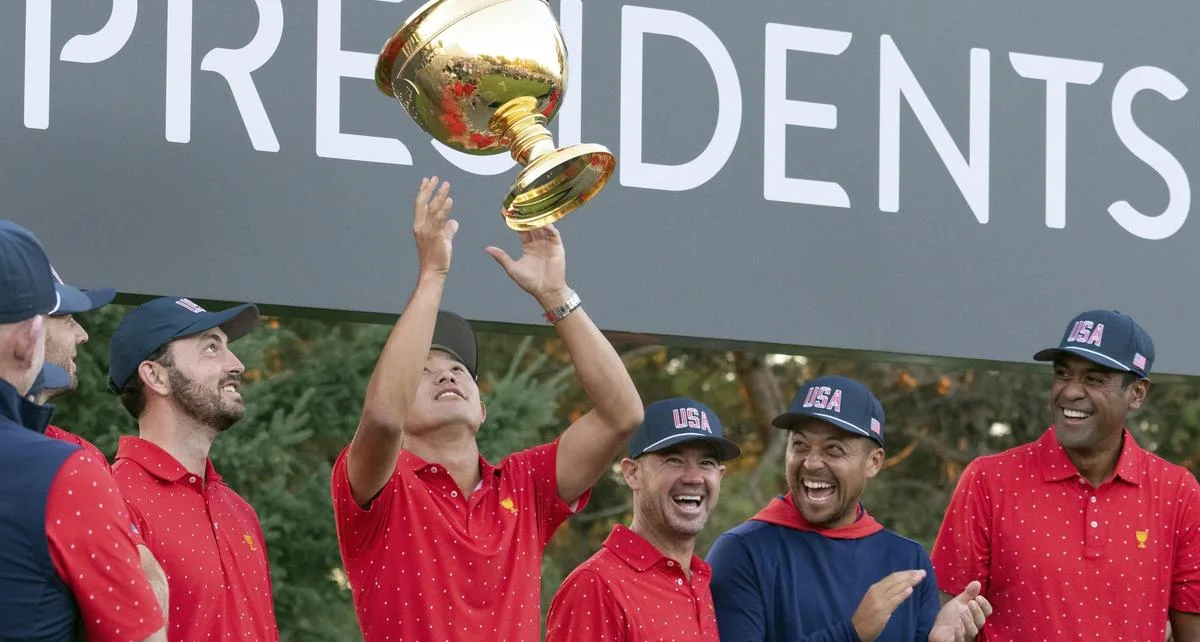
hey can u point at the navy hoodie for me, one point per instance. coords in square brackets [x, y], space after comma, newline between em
[777, 578]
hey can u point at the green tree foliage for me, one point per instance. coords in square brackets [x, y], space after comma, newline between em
[306, 380]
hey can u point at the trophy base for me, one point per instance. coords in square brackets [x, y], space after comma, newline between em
[555, 184]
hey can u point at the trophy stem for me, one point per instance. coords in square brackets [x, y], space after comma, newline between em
[522, 130]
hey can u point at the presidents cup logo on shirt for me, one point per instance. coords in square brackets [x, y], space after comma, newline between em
[1086, 332]
[692, 418]
[824, 398]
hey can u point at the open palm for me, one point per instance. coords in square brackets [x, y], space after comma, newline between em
[542, 269]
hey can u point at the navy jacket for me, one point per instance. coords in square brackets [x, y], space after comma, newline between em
[778, 579]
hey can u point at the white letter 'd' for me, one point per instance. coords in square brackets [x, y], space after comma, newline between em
[636, 22]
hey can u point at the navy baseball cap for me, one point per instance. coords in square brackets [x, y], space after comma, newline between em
[76, 301]
[678, 420]
[51, 377]
[157, 322]
[26, 282]
[840, 401]
[453, 334]
[1107, 338]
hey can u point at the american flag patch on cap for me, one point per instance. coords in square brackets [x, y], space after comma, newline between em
[875, 427]
[1139, 361]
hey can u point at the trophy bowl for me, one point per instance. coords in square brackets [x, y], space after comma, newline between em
[485, 76]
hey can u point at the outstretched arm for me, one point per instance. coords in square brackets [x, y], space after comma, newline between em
[587, 448]
[393, 384]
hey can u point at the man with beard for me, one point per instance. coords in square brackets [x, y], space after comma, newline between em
[813, 565]
[68, 566]
[169, 360]
[64, 335]
[438, 543]
[1081, 534]
[646, 583]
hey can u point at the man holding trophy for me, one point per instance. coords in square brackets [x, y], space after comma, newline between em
[438, 543]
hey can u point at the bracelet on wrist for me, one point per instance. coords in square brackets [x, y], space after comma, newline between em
[560, 311]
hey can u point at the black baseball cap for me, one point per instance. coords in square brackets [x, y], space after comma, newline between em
[453, 335]
[157, 322]
[840, 401]
[678, 420]
[26, 281]
[1107, 338]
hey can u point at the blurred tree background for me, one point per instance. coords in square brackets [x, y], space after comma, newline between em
[306, 378]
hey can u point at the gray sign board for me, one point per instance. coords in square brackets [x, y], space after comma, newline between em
[931, 178]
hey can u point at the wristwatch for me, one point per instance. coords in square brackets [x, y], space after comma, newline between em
[559, 312]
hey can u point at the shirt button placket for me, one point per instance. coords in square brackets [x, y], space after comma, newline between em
[1095, 535]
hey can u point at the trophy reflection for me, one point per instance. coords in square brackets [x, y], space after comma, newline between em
[485, 76]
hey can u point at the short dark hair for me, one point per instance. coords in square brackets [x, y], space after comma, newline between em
[133, 395]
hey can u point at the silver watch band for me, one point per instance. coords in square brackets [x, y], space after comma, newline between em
[559, 312]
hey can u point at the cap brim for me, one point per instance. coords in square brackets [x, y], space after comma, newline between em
[51, 377]
[236, 322]
[71, 300]
[1054, 354]
[789, 419]
[726, 449]
[100, 297]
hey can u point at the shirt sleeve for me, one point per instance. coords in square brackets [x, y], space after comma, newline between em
[585, 610]
[542, 464]
[357, 527]
[736, 591]
[88, 530]
[962, 551]
[1185, 576]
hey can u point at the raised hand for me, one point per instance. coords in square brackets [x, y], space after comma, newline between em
[961, 618]
[542, 268]
[881, 601]
[433, 230]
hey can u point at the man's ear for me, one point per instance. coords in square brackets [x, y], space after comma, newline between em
[154, 377]
[631, 471]
[874, 462]
[482, 411]
[1137, 393]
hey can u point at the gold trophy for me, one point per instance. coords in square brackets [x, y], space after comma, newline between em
[483, 76]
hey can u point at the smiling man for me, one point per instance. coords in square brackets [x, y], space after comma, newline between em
[170, 361]
[439, 543]
[646, 583]
[813, 566]
[1082, 534]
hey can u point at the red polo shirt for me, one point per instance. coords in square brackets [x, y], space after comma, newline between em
[54, 432]
[208, 541]
[630, 592]
[1061, 560]
[87, 529]
[426, 563]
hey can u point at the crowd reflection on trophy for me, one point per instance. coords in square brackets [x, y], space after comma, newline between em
[485, 76]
